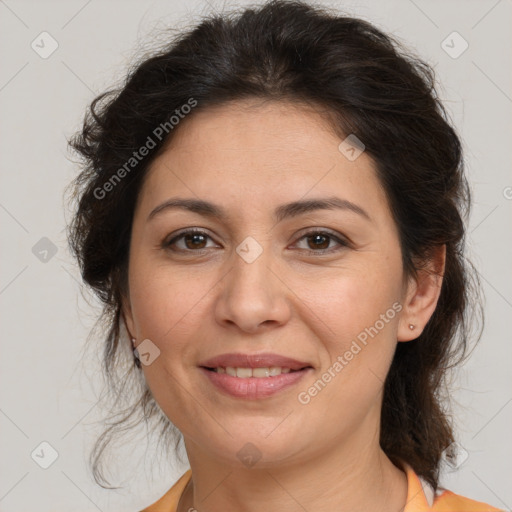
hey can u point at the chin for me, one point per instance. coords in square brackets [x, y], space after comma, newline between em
[247, 448]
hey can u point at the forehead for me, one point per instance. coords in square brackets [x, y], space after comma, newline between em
[259, 152]
[261, 131]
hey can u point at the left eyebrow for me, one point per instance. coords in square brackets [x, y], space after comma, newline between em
[296, 208]
[282, 212]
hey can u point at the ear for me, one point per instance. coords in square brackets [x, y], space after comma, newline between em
[422, 295]
[126, 313]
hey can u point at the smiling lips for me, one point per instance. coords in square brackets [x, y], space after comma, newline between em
[253, 376]
[263, 360]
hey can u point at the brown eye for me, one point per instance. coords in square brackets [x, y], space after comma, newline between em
[188, 241]
[194, 241]
[320, 242]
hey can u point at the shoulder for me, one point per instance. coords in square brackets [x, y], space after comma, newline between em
[169, 501]
[448, 501]
[422, 498]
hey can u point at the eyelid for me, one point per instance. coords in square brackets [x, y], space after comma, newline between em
[321, 230]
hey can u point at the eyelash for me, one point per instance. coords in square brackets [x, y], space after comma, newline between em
[343, 244]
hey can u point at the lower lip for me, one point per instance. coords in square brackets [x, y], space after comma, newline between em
[254, 388]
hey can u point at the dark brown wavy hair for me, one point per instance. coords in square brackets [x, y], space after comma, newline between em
[368, 85]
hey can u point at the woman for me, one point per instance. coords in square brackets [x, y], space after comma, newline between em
[271, 209]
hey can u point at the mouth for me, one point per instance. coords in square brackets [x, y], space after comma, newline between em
[257, 373]
[240, 364]
[253, 383]
[253, 376]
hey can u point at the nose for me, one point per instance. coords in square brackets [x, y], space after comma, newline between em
[253, 298]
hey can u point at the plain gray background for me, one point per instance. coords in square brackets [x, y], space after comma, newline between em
[46, 395]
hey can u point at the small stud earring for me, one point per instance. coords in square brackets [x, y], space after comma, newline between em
[411, 326]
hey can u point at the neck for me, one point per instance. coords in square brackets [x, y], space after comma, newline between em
[347, 479]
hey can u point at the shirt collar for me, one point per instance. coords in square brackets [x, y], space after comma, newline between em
[420, 494]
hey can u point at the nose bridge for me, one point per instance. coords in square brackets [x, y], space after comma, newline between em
[251, 293]
[251, 275]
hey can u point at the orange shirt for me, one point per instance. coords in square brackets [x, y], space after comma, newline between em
[420, 497]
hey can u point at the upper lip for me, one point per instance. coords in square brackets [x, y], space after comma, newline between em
[262, 360]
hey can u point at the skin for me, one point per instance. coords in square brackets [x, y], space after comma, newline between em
[250, 157]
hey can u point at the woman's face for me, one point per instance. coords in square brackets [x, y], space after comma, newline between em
[323, 286]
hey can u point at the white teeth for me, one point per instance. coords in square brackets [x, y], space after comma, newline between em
[261, 372]
[245, 373]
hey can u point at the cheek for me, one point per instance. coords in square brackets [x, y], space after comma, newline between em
[356, 314]
[165, 300]
[352, 298]
[168, 309]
